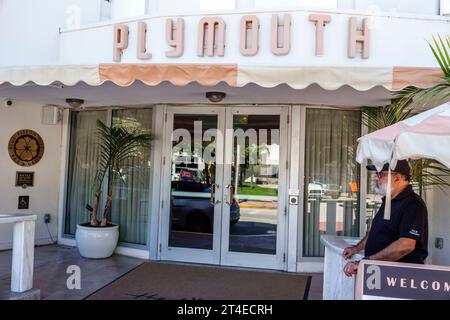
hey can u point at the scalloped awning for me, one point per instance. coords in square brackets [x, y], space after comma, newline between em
[297, 77]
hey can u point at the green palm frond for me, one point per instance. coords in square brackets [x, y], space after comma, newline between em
[378, 118]
[425, 173]
[440, 52]
[439, 93]
[429, 173]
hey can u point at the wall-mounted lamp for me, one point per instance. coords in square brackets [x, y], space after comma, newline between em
[74, 102]
[215, 96]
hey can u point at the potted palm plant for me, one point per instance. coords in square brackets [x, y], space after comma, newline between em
[118, 143]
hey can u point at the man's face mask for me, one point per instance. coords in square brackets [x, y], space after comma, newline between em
[380, 189]
[381, 183]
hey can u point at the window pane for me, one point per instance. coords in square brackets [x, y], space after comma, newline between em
[130, 203]
[255, 177]
[83, 157]
[193, 179]
[331, 177]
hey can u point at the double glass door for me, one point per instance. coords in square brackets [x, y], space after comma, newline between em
[224, 186]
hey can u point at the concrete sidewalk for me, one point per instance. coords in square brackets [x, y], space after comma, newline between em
[50, 267]
[51, 263]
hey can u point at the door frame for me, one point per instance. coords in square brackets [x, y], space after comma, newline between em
[179, 253]
[257, 260]
[220, 255]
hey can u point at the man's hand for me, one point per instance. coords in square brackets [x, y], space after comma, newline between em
[349, 252]
[350, 268]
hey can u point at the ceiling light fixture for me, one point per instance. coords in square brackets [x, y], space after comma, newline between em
[215, 96]
[74, 102]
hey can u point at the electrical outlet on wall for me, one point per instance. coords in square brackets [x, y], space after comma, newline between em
[439, 243]
[47, 218]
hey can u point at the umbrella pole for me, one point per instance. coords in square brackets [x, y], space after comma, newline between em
[387, 203]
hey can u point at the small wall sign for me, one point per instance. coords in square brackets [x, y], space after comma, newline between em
[26, 147]
[24, 179]
[24, 202]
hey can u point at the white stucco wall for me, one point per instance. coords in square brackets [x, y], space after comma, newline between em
[44, 193]
[398, 6]
[395, 41]
[182, 6]
[29, 32]
[121, 9]
[29, 29]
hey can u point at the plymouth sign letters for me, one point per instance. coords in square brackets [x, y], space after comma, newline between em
[211, 36]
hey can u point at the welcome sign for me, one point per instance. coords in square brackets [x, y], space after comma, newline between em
[381, 280]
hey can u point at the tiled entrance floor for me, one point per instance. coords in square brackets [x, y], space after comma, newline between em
[50, 273]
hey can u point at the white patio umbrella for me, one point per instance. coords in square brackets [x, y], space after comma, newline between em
[426, 135]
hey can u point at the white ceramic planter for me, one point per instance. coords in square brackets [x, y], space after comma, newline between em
[96, 243]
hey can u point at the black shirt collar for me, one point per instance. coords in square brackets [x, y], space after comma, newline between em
[405, 193]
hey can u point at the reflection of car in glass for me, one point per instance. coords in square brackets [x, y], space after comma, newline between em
[315, 190]
[333, 190]
[193, 211]
[190, 180]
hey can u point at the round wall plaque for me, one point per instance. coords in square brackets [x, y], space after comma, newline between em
[26, 147]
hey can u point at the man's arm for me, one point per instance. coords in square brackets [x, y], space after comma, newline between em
[393, 252]
[396, 250]
[361, 245]
[351, 251]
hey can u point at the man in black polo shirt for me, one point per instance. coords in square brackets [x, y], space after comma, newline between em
[403, 238]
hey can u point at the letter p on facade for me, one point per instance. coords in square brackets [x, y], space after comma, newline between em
[120, 41]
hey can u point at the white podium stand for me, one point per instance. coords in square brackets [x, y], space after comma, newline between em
[23, 250]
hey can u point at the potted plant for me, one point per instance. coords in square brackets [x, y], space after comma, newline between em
[123, 140]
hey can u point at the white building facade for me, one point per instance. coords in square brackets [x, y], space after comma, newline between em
[292, 78]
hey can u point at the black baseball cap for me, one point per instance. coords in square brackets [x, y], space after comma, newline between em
[402, 167]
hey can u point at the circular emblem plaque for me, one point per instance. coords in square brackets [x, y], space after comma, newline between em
[26, 147]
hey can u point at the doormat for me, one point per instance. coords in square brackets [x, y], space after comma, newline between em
[167, 281]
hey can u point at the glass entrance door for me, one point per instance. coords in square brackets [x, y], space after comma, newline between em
[225, 186]
[191, 208]
[254, 183]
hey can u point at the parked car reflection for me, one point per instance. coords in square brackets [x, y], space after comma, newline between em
[192, 211]
[315, 190]
[191, 208]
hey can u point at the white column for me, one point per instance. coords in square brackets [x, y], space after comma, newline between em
[23, 256]
[296, 184]
[157, 180]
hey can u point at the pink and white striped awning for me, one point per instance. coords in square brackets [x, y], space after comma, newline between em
[297, 77]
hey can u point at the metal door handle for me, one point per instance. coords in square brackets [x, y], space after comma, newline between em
[230, 194]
